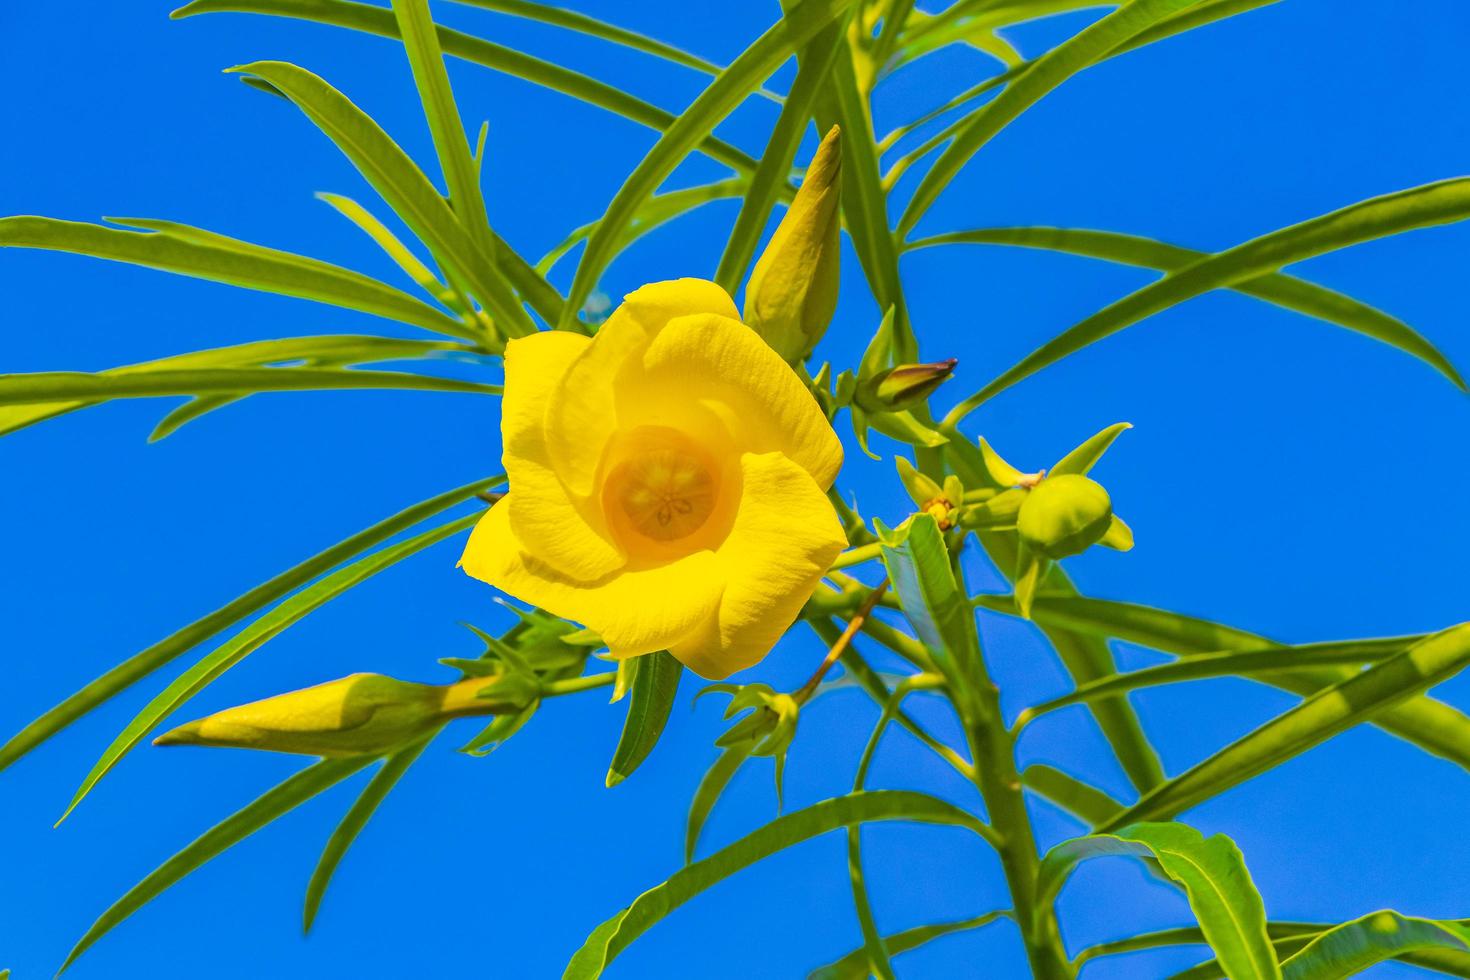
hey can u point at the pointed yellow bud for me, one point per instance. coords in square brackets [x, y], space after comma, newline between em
[356, 715]
[903, 386]
[792, 292]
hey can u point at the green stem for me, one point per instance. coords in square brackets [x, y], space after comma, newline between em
[854, 556]
[575, 685]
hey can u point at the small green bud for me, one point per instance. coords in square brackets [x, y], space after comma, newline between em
[904, 386]
[1064, 516]
[792, 292]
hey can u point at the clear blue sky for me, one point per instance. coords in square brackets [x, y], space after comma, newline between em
[1282, 476]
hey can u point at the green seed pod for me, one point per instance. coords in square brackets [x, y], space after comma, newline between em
[792, 292]
[1064, 515]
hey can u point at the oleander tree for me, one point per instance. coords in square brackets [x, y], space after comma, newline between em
[672, 496]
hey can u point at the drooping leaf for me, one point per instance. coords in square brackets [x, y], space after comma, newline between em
[1212, 874]
[1354, 946]
[238, 647]
[1277, 288]
[744, 75]
[266, 808]
[378, 20]
[1318, 718]
[617, 933]
[145, 662]
[1378, 217]
[231, 261]
[352, 823]
[654, 682]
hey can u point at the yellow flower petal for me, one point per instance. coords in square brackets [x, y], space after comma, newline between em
[723, 365]
[634, 611]
[584, 410]
[564, 531]
[784, 539]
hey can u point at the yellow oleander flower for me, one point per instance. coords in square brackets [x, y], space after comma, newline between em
[667, 482]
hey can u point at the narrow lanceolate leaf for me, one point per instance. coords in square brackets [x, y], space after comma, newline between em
[238, 647]
[770, 178]
[219, 838]
[145, 662]
[352, 823]
[340, 349]
[1379, 217]
[651, 693]
[1030, 86]
[400, 253]
[1087, 803]
[711, 787]
[75, 386]
[378, 20]
[617, 933]
[1354, 946]
[228, 260]
[1318, 718]
[1082, 459]
[854, 966]
[1430, 724]
[395, 176]
[461, 170]
[1229, 664]
[1277, 288]
[734, 84]
[922, 578]
[1211, 872]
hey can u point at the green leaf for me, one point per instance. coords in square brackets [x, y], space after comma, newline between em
[734, 84]
[274, 803]
[1318, 718]
[770, 178]
[711, 787]
[1430, 724]
[1212, 874]
[377, 20]
[592, 27]
[654, 683]
[854, 966]
[1085, 457]
[617, 933]
[74, 386]
[398, 179]
[919, 569]
[461, 171]
[346, 348]
[1028, 87]
[228, 260]
[1087, 803]
[252, 637]
[352, 823]
[401, 254]
[1229, 664]
[1354, 946]
[1277, 288]
[142, 664]
[1379, 217]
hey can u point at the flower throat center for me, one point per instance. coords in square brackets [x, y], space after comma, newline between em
[665, 494]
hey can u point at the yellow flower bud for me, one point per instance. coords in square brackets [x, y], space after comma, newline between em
[1064, 515]
[792, 292]
[356, 715]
